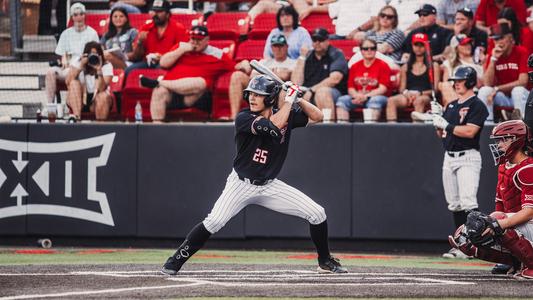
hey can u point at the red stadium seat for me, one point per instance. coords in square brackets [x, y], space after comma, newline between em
[263, 24]
[315, 20]
[395, 81]
[138, 20]
[188, 20]
[227, 46]
[250, 49]
[224, 26]
[347, 47]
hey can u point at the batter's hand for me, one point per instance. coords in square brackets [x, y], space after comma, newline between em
[436, 108]
[292, 94]
[439, 122]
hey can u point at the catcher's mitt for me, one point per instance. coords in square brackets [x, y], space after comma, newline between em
[478, 228]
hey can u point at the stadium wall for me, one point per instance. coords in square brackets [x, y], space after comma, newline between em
[377, 181]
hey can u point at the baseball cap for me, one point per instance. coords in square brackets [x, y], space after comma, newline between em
[497, 31]
[199, 32]
[77, 8]
[427, 8]
[467, 12]
[160, 5]
[460, 39]
[320, 33]
[278, 39]
[419, 38]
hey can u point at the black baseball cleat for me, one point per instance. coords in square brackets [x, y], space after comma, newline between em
[171, 267]
[331, 265]
[148, 82]
[501, 269]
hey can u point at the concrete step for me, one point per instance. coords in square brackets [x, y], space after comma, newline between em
[38, 44]
[24, 82]
[23, 68]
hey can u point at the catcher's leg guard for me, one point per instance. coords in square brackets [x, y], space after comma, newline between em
[519, 246]
[460, 242]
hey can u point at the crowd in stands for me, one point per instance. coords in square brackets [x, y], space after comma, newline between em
[390, 56]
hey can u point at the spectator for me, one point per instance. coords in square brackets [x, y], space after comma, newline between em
[447, 10]
[527, 33]
[94, 73]
[130, 6]
[508, 16]
[439, 36]
[407, 20]
[459, 56]
[415, 80]
[193, 67]
[281, 65]
[303, 7]
[70, 46]
[323, 71]
[464, 24]
[487, 12]
[368, 81]
[156, 38]
[388, 37]
[505, 76]
[297, 36]
[119, 38]
[354, 18]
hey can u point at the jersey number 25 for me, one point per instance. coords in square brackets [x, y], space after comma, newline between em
[260, 156]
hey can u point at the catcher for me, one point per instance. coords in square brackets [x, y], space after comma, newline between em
[505, 235]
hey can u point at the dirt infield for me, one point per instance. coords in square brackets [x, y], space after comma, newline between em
[141, 281]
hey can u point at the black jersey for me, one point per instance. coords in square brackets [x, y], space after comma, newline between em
[261, 156]
[472, 111]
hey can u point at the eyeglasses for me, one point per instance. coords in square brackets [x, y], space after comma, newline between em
[369, 48]
[424, 14]
[390, 17]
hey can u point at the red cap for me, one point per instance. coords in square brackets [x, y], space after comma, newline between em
[419, 38]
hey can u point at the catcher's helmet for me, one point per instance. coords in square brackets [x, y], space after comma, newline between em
[263, 85]
[465, 73]
[519, 137]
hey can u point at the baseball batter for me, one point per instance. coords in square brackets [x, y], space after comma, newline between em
[262, 137]
[460, 128]
[505, 236]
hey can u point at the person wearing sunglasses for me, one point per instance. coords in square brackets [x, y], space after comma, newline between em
[368, 82]
[447, 9]
[388, 37]
[438, 35]
[70, 47]
[505, 76]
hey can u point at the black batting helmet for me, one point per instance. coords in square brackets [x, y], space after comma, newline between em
[263, 85]
[465, 73]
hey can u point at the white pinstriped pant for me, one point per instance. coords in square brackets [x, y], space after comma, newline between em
[460, 177]
[525, 229]
[276, 195]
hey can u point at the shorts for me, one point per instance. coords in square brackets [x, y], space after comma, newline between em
[203, 103]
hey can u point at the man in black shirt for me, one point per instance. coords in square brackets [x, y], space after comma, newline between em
[438, 35]
[262, 137]
[465, 23]
[460, 128]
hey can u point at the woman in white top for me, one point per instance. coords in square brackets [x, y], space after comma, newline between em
[460, 55]
[89, 77]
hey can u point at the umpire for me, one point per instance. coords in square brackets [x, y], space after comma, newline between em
[460, 127]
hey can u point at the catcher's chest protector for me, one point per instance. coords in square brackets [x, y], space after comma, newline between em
[507, 189]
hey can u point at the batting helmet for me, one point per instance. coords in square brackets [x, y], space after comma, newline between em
[465, 73]
[263, 85]
[515, 134]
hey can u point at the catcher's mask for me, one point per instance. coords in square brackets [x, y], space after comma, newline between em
[263, 85]
[514, 134]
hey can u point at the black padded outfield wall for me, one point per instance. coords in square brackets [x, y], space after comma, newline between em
[377, 181]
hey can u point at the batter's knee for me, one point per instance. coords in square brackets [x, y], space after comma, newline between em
[214, 224]
[319, 215]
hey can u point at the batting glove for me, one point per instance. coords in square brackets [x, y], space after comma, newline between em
[292, 94]
[440, 122]
[436, 108]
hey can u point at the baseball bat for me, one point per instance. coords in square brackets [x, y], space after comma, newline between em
[262, 69]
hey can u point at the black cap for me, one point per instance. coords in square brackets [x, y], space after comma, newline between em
[199, 32]
[467, 12]
[427, 8]
[160, 5]
[497, 31]
[278, 39]
[320, 33]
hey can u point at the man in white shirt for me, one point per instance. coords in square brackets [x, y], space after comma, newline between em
[70, 46]
[281, 65]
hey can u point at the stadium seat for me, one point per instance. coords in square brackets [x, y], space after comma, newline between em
[263, 24]
[347, 47]
[227, 46]
[250, 49]
[138, 20]
[315, 20]
[188, 20]
[224, 26]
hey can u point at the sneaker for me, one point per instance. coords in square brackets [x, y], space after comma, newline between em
[148, 82]
[171, 267]
[421, 117]
[501, 269]
[527, 273]
[331, 265]
[456, 254]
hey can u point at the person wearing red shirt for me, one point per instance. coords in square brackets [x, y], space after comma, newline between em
[505, 74]
[156, 38]
[192, 67]
[487, 12]
[368, 81]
